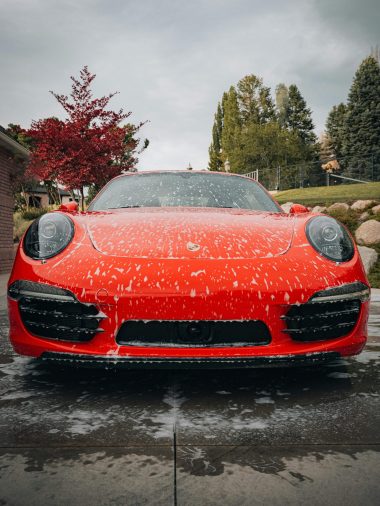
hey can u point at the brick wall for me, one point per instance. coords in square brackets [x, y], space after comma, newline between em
[6, 211]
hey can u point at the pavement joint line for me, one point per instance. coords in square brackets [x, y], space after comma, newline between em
[175, 463]
[283, 445]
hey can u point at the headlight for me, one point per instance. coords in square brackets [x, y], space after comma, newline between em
[48, 235]
[330, 239]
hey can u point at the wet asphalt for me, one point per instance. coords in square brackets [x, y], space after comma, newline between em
[270, 436]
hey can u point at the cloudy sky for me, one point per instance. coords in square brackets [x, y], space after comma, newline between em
[171, 60]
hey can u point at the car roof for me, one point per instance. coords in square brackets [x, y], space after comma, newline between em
[182, 171]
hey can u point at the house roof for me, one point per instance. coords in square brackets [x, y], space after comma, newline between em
[12, 145]
[42, 189]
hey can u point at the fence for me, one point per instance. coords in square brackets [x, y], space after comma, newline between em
[310, 174]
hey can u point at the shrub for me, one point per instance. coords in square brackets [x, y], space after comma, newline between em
[348, 218]
[374, 274]
[19, 226]
[34, 212]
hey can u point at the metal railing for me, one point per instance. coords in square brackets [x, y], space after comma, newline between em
[310, 174]
[253, 175]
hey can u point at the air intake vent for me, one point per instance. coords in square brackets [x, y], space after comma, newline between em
[193, 333]
[316, 321]
[54, 313]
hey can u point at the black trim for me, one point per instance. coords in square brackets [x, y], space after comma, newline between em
[345, 291]
[109, 362]
[193, 333]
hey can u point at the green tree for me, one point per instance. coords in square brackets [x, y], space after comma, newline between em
[268, 147]
[19, 134]
[20, 182]
[282, 103]
[215, 162]
[254, 134]
[299, 118]
[361, 142]
[231, 127]
[335, 125]
[254, 99]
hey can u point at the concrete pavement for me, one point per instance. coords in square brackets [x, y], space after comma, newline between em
[276, 437]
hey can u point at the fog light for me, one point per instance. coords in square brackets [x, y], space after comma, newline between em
[23, 288]
[348, 291]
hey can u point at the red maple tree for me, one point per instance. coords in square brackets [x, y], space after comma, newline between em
[89, 147]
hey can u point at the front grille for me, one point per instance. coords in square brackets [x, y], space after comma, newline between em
[200, 333]
[53, 313]
[316, 321]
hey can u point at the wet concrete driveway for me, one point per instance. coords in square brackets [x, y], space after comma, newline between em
[276, 437]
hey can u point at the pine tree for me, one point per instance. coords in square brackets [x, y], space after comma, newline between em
[282, 103]
[255, 101]
[231, 127]
[299, 117]
[361, 143]
[215, 162]
[335, 125]
[254, 134]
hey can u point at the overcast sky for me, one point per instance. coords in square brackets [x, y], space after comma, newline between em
[172, 60]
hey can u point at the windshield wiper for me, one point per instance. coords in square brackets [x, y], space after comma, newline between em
[123, 207]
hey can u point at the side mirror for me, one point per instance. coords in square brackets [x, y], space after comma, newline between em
[70, 207]
[298, 209]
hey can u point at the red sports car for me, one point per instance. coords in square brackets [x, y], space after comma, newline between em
[187, 269]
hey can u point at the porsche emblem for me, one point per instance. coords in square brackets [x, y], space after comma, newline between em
[193, 247]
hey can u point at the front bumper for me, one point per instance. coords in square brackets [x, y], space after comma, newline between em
[144, 290]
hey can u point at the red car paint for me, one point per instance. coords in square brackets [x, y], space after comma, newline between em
[146, 264]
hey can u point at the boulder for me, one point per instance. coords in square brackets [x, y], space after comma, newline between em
[361, 205]
[364, 216]
[318, 209]
[369, 257]
[376, 209]
[338, 206]
[286, 207]
[368, 232]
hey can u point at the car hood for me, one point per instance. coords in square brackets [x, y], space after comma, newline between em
[190, 233]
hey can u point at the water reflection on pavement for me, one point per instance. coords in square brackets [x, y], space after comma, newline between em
[276, 436]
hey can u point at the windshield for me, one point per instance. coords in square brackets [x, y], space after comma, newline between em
[183, 189]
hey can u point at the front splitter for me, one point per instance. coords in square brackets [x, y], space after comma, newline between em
[113, 362]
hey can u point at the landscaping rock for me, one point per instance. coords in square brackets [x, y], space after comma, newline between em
[369, 257]
[318, 209]
[364, 216]
[338, 206]
[286, 207]
[360, 205]
[368, 232]
[376, 209]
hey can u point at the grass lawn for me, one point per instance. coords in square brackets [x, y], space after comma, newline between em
[322, 195]
[327, 195]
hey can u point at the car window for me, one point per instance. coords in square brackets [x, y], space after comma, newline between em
[183, 189]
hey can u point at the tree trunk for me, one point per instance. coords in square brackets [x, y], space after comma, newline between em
[25, 198]
[58, 193]
[82, 197]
